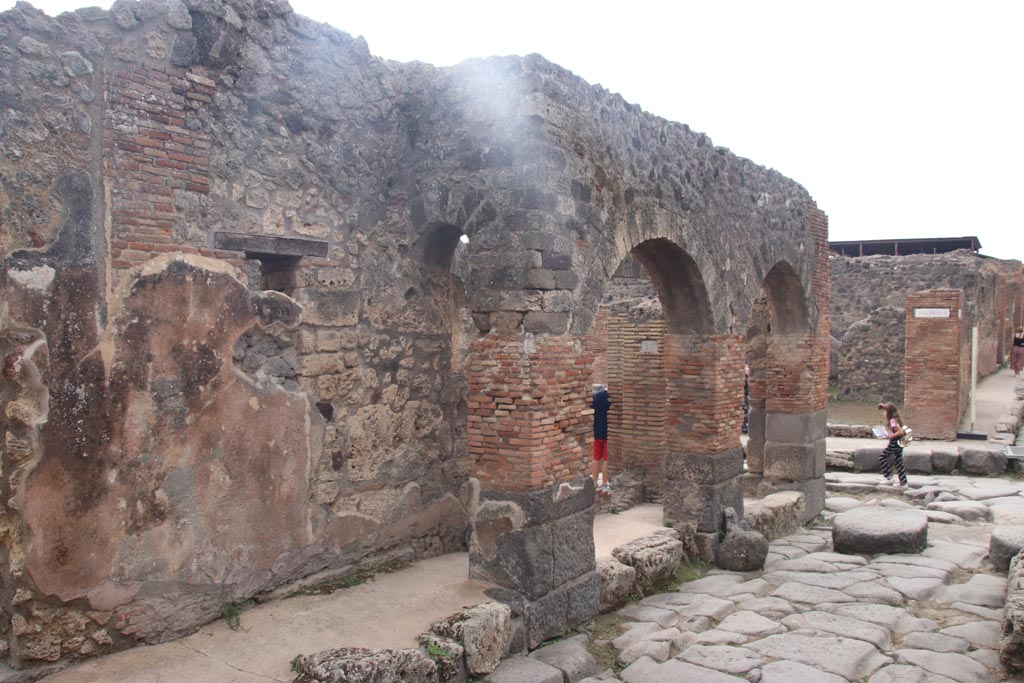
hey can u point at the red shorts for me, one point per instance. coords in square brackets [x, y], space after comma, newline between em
[600, 449]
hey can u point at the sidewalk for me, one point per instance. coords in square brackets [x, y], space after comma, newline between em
[995, 393]
[389, 611]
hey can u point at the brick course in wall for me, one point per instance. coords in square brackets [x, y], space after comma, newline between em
[528, 410]
[154, 165]
[932, 402]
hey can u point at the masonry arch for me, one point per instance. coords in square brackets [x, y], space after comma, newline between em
[672, 381]
[786, 436]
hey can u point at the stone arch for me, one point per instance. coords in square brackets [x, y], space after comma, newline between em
[786, 444]
[656, 290]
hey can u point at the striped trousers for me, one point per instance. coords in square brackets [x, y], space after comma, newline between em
[894, 452]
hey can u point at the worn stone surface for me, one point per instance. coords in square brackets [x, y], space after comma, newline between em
[742, 549]
[525, 670]
[616, 582]
[1005, 542]
[866, 530]
[655, 559]
[570, 656]
[484, 631]
[373, 666]
[1011, 639]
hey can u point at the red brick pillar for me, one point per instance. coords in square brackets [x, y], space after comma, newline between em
[793, 387]
[636, 382]
[533, 514]
[704, 461]
[935, 340]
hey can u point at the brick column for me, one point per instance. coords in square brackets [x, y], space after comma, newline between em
[704, 461]
[793, 388]
[532, 518]
[636, 381]
[932, 394]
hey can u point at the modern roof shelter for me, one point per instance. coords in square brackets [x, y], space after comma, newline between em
[902, 247]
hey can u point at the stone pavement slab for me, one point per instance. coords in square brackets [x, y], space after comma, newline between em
[846, 657]
[646, 670]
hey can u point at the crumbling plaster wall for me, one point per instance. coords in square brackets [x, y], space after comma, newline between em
[151, 472]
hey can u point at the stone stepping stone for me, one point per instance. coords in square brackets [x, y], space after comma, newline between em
[663, 617]
[949, 664]
[980, 634]
[842, 504]
[968, 510]
[1005, 542]
[659, 651]
[570, 656]
[846, 657]
[873, 592]
[840, 625]
[792, 672]
[646, 670]
[961, 554]
[810, 595]
[894, 503]
[751, 624]
[936, 642]
[904, 673]
[874, 530]
[725, 658]
[525, 670]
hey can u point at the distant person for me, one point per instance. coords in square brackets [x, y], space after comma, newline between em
[893, 430]
[601, 404]
[1017, 356]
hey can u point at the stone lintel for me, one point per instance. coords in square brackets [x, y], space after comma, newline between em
[266, 244]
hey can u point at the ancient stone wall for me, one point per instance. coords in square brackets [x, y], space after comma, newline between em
[867, 291]
[243, 342]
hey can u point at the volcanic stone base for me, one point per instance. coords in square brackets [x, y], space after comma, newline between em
[813, 490]
[539, 547]
[698, 487]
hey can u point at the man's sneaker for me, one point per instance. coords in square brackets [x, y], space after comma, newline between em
[606, 487]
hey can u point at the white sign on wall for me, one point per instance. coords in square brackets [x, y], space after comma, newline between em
[931, 312]
[649, 346]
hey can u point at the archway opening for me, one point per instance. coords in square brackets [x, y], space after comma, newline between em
[656, 293]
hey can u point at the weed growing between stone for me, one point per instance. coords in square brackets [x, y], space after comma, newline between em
[232, 613]
[687, 572]
[603, 630]
[360, 576]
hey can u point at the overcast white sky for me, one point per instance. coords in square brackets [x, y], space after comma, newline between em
[902, 119]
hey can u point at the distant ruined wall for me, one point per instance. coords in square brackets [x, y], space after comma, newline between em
[867, 292]
[243, 343]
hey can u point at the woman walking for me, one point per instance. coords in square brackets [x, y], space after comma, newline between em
[894, 451]
[1017, 356]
